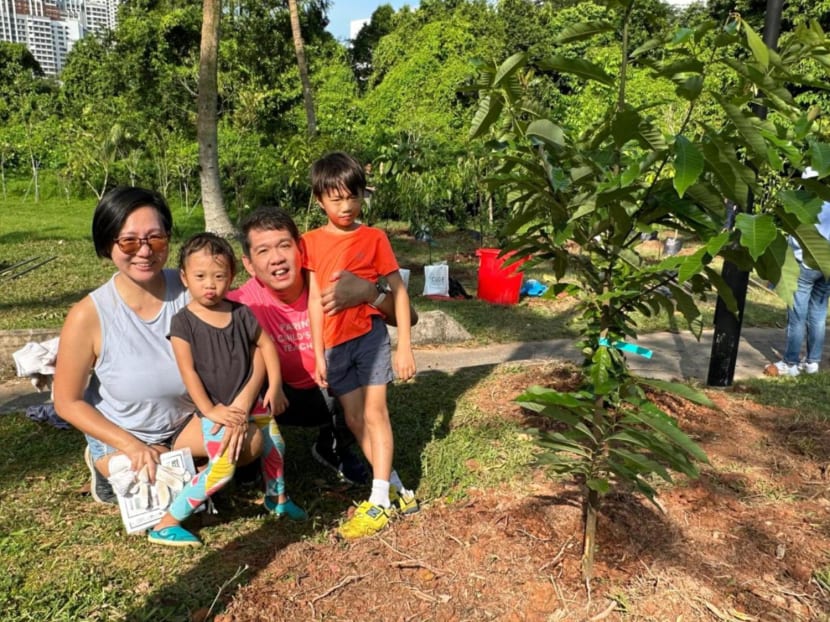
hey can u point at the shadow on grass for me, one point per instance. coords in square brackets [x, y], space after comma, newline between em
[422, 412]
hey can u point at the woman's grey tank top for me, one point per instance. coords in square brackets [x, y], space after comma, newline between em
[136, 383]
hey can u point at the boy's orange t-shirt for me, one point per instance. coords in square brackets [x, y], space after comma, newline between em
[365, 252]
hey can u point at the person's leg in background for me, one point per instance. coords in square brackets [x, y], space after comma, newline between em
[797, 322]
[816, 321]
[314, 407]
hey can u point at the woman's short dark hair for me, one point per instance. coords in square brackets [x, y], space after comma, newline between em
[266, 219]
[215, 245]
[116, 206]
[335, 171]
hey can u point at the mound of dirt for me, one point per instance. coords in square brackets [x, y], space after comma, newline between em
[748, 540]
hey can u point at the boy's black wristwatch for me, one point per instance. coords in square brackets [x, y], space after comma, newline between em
[382, 290]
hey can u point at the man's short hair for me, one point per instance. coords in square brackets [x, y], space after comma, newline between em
[335, 171]
[266, 218]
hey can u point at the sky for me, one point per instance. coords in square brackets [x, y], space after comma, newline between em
[341, 12]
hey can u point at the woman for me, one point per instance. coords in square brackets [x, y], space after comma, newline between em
[116, 379]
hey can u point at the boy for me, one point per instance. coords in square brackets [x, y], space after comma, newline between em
[351, 349]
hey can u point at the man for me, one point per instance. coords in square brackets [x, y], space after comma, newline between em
[277, 293]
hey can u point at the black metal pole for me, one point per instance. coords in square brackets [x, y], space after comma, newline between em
[727, 335]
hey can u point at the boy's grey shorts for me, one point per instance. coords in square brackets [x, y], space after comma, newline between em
[360, 362]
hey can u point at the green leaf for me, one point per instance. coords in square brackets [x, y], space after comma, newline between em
[489, 109]
[625, 126]
[690, 88]
[803, 205]
[578, 67]
[545, 396]
[815, 247]
[509, 68]
[820, 158]
[646, 47]
[688, 164]
[602, 486]
[714, 245]
[682, 35]
[750, 133]
[679, 389]
[585, 30]
[684, 303]
[757, 232]
[759, 49]
[547, 131]
[642, 464]
[598, 370]
[659, 421]
[692, 264]
[722, 288]
[652, 137]
[787, 284]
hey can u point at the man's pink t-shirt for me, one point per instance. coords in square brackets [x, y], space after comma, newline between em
[287, 325]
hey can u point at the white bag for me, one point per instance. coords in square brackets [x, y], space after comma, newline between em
[437, 280]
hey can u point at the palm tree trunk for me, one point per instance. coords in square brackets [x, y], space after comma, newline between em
[299, 50]
[216, 218]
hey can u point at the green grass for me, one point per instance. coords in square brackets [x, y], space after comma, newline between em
[67, 558]
[60, 229]
[806, 395]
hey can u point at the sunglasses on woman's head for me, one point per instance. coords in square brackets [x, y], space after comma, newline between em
[131, 244]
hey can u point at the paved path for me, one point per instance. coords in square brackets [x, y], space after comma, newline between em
[675, 356]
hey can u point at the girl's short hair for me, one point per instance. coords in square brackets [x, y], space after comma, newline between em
[215, 245]
[116, 206]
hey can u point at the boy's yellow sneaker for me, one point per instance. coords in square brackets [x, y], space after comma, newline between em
[405, 503]
[367, 520]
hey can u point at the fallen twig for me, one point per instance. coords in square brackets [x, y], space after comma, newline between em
[459, 542]
[236, 575]
[605, 612]
[349, 579]
[558, 557]
[410, 562]
[530, 535]
[414, 563]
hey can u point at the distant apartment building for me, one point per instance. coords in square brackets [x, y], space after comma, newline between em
[49, 28]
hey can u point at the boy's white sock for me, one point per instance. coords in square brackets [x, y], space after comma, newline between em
[380, 493]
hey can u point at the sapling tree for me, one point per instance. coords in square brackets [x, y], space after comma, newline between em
[581, 198]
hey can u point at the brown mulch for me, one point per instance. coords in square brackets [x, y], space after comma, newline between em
[741, 543]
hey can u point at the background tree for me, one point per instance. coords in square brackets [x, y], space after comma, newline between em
[302, 66]
[216, 218]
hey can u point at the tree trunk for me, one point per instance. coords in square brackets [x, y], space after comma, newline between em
[299, 50]
[589, 536]
[216, 218]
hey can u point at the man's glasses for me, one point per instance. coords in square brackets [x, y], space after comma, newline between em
[130, 244]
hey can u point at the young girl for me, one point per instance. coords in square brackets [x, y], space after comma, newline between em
[221, 350]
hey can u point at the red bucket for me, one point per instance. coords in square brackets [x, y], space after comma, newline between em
[495, 282]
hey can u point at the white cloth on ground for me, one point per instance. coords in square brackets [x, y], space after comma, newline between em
[37, 361]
